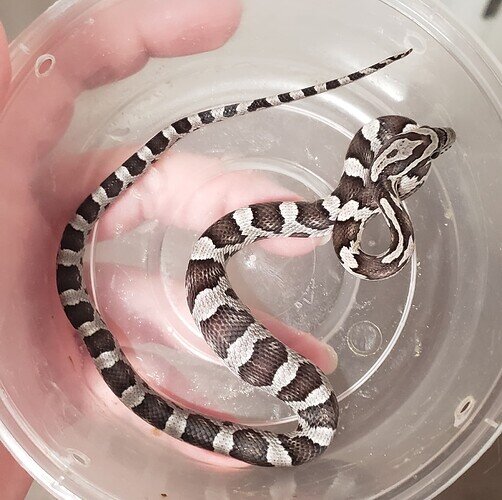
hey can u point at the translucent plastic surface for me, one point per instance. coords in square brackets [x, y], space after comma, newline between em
[419, 354]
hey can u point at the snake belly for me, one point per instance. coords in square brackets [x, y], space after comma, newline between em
[387, 160]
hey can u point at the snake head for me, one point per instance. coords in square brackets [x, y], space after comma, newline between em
[446, 138]
[406, 152]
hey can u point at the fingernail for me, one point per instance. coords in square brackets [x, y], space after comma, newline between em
[333, 358]
[324, 240]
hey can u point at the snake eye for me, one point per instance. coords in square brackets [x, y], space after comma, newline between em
[435, 155]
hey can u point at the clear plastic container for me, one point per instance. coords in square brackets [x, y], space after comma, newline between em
[419, 373]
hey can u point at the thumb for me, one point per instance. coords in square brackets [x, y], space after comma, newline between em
[5, 71]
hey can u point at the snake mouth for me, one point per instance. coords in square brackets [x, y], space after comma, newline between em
[447, 138]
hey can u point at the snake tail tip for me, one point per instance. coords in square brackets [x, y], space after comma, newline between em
[406, 52]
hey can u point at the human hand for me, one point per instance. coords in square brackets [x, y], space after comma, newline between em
[109, 51]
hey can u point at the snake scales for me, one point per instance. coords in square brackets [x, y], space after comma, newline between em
[387, 160]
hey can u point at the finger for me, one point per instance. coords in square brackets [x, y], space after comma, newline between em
[151, 309]
[319, 353]
[120, 38]
[193, 191]
[215, 21]
[143, 318]
[95, 51]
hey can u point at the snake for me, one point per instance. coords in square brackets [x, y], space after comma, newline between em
[387, 160]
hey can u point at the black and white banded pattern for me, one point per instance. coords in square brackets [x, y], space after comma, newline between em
[387, 160]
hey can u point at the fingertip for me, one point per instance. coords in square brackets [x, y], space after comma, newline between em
[332, 359]
[111, 50]
[194, 26]
[290, 247]
[206, 457]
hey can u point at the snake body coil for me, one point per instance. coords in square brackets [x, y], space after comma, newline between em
[387, 161]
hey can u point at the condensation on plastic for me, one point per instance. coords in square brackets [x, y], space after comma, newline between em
[419, 354]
